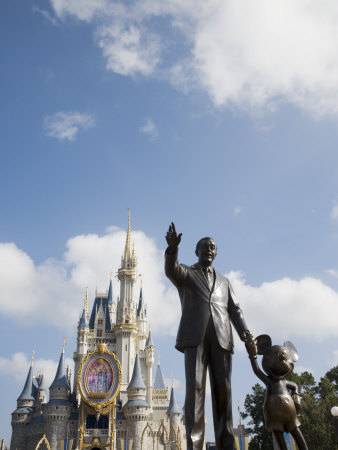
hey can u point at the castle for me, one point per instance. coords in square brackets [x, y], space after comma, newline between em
[145, 416]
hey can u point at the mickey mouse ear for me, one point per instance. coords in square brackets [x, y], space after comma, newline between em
[292, 350]
[263, 343]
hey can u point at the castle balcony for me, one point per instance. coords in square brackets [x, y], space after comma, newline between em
[96, 432]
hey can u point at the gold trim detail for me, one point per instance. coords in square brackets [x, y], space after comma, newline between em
[45, 440]
[103, 407]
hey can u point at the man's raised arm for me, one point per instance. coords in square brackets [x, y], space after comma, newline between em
[174, 271]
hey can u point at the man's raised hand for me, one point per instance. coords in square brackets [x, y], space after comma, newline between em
[173, 239]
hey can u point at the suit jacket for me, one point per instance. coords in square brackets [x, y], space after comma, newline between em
[199, 301]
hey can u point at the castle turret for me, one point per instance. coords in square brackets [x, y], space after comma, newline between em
[174, 419]
[136, 410]
[160, 394]
[82, 340]
[141, 321]
[41, 397]
[58, 409]
[150, 359]
[25, 409]
[111, 303]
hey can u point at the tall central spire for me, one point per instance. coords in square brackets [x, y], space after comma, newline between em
[128, 248]
[127, 275]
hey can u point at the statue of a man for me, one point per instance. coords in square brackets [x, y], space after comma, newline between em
[205, 337]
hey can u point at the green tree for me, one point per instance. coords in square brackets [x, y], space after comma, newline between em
[261, 439]
[315, 416]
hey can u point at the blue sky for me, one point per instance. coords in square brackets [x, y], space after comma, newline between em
[220, 116]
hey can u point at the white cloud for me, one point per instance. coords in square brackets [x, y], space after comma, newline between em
[59, 285]
[28, 292]
[66, 124]
[81, 9]
[128, 48]
[149, 129]
[334, 212]
[237, 210]
[18, 366]
[46, 15]
[332, 272]
[286, 308]
[244, 54]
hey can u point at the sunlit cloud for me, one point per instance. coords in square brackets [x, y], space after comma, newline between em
[150, 129]
[66, 125]
[254, 56]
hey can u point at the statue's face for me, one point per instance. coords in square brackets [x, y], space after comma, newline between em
[206, 252]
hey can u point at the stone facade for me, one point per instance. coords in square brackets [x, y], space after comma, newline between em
[144, 410]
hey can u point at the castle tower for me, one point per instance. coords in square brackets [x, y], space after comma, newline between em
[127, 274]
[82, 341]
[160, 401]
[111, 303]
[136, 410]
[58, 409]
[126, 329]
[150, 359]
[41, 397]
[141, 321]
[23, 413]
[174, 418]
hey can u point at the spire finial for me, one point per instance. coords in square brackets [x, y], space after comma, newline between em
[172, 382]
[33, 354]
[64, 344]
[158, 358]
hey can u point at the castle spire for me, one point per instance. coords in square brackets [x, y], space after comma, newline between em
[110, 291]
[27, 392]
[173, 407]
[60, 379]
[140, 306]
[127, 275]
[128, 252]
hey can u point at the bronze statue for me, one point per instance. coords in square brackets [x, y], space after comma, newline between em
[208, 306]
[282, 400]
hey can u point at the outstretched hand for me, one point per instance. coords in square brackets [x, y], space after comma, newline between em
[173, 239]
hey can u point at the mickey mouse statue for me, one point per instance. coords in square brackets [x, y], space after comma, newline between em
[282, 399]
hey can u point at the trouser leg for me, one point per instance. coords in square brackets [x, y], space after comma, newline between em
[220, 381]
[195, 375]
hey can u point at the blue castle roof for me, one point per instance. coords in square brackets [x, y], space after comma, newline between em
[60, 379]
[173, 408]
[97, 302]
[159, 382]
[137, 380]
[83, 319]
[110, 293]
[29, 390]
[149, 341]
[140, 304]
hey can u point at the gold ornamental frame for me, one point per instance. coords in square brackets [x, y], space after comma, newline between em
[102, 407]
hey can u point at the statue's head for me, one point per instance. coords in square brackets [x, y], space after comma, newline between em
[206, 251]
[278, 360]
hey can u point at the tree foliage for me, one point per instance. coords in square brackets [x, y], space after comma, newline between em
[315, 417]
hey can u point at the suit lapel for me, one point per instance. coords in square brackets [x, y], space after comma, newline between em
[201, 276]
[199, 273]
